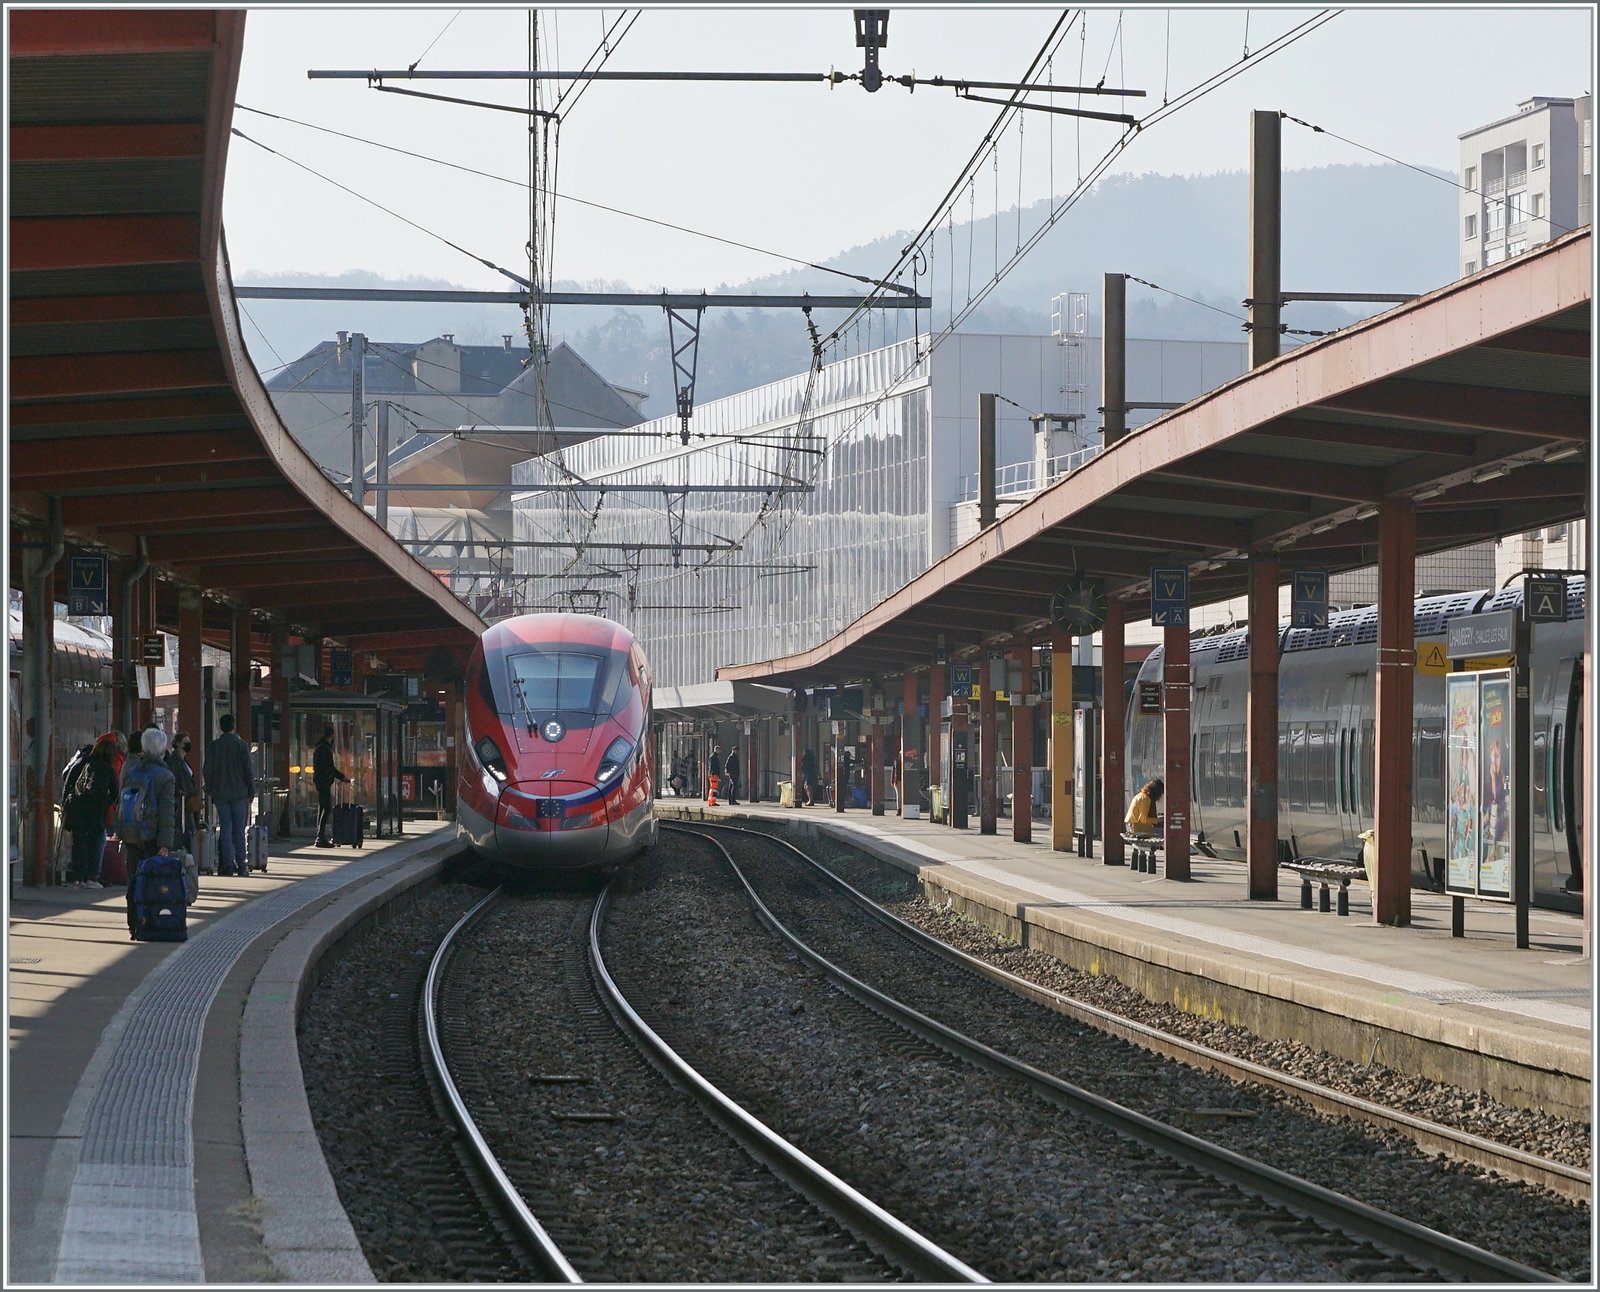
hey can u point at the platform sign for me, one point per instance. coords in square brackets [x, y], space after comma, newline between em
[86, 593]
[408, 787]
[1308, 599]
[341, 668]
[1544, 598]
[1480, 715]
[964, 680]
[1491, 634]
[155, 649]
[1169, 597]
[1150, 699]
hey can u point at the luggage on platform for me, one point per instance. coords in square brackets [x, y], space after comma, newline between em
[349, 825]
[191, 879]
[113, 863]
[159, 912]
[205, 849]
[256, 845]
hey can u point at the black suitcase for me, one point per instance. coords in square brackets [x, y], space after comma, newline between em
[349, 825]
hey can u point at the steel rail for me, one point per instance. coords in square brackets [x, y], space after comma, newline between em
[1404, 1237]
[888, 1236]
[1560, 1177]
[556, 1267]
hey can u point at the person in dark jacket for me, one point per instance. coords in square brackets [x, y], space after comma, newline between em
[323, 775]
[183, 774]
[733, 767]
[153, 748]
[231, 784]
[714, 781]
[809, 777]
[89, 796]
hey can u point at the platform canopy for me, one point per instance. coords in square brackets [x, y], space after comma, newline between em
[719, 702]
[1473, 401]
[133, 401]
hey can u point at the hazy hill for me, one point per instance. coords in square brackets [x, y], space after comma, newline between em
[1346, 228]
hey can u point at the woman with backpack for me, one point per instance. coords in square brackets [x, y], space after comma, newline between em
[89, 796]
[146, 810]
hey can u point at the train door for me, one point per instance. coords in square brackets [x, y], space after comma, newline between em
[1563, 780]
[1351, 795]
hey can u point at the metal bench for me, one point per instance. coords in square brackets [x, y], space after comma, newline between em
[1143, 849]
[1325, 871]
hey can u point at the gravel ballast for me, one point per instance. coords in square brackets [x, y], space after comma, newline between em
[1008, 1183]
[1382, 1168]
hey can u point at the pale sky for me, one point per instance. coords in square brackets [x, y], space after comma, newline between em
[800, 168]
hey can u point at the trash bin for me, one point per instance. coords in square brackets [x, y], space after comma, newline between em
[936, 802]
[786, 794]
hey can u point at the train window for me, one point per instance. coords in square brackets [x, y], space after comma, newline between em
[1344, 769]
[1427, 780]
[1297, 765]
[1541, 782]
[1558, 779]
[563, 681]
[1368, 755]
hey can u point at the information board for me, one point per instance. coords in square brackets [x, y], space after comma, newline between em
[1308, 599]
[1479, 716]
[1169, 597]
[86, 591]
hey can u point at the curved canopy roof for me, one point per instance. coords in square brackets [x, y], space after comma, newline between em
[133, 402]
[1473, 401]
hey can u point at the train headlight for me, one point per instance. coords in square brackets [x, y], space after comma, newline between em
[490, 756]
[617, 755]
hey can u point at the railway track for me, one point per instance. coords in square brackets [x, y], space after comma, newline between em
[892, 1250]
[1198, 1165]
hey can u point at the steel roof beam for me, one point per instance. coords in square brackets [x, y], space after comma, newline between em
[1334, 434]
[1489, 408]
[1284, 475]
[1542, 340]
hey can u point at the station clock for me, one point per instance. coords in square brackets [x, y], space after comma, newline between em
[1079, 606]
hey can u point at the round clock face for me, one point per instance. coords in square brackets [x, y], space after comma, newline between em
[1079, 606]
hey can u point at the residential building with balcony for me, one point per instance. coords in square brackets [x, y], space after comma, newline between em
[1524, 180]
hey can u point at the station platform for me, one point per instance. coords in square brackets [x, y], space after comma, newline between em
[1473, 1011]
[127, 1160]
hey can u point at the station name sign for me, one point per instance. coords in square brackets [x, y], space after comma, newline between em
[1491, 634]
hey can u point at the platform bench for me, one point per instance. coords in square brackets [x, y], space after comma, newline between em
[1143, 849]
[1325, 871]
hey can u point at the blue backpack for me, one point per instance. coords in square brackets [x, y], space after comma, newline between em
[138, 811]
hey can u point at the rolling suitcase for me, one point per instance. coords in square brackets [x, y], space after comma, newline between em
[205, 850]
[349, 824]
[191, 879]
[159, 912]
[113, 863]
[256, 846]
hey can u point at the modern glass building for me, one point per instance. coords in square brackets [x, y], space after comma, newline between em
[781, 521]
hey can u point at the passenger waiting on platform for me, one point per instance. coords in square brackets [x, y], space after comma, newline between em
[85, 804]
[189, 800]
[162, 792]
[232, 785]
[714, 772]
[679, 780]
[734, 770]
[1142, 816]
[809, 776]
[323, 775]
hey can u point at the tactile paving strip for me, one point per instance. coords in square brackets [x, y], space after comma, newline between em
[131, 1215]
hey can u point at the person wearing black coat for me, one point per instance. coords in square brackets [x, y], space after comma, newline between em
[86, 799]
[733, 768]
[809, 776]
[323, 774]
[183, 775]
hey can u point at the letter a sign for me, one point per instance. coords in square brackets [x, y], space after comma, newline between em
[1545, 598]
[1169, 597]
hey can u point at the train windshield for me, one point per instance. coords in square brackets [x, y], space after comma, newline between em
[549, 680]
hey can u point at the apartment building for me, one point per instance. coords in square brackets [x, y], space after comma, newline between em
[1524, 180]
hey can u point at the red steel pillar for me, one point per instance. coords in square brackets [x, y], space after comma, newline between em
[1175, 723]
[1113, 733]
[1397, 663]
[840, 789]
[934, 730]
[875, 733]
[191, 707]
[1262, 731]
[988, 751]
[280, 708]
[1022, 753]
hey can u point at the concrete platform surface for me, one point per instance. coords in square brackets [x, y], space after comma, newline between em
[1477, 993]
[112, 1107]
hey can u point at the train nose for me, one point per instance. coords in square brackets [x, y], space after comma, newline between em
[545, 820]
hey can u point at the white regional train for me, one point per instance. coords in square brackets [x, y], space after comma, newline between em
[1325, 740]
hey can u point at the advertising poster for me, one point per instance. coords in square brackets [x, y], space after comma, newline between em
[1494, 785]
[1461, 783]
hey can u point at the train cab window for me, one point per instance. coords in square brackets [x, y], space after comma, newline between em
[565, 681]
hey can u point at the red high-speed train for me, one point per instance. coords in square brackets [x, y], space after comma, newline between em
[558, 770]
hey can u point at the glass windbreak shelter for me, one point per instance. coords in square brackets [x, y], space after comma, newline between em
[366, 748]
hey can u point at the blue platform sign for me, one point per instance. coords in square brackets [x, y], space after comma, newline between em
[1308, 599]
[963, 679]
[341, 668]
[1169, 597]
[86, 594]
